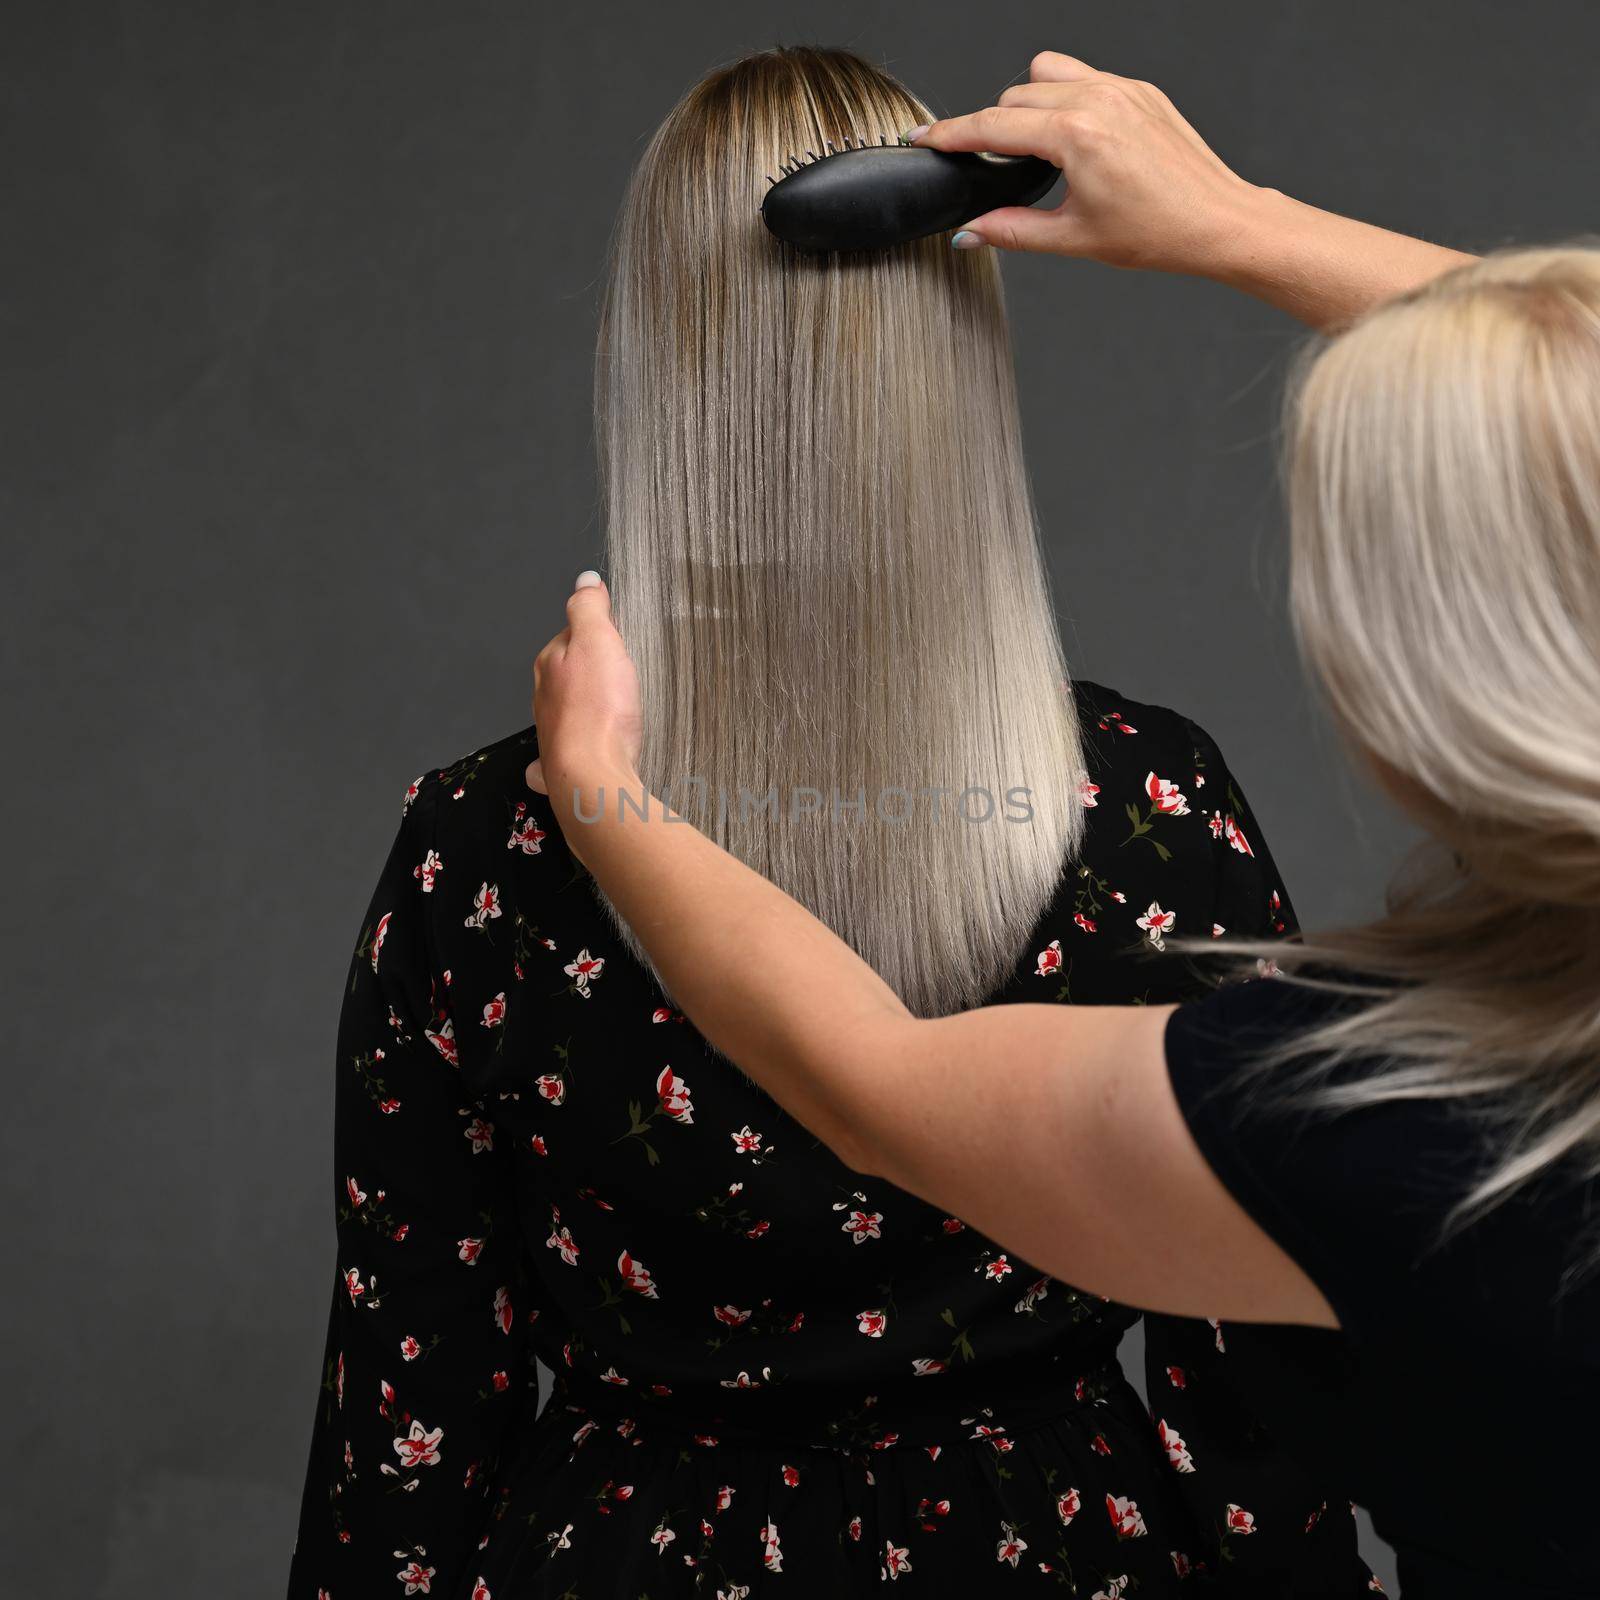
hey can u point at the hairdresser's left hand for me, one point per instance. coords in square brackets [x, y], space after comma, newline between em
[585, 702]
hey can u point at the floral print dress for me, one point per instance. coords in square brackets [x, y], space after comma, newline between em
[774, 1376]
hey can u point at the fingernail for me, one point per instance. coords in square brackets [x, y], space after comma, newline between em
[913, 134]
[587, 579]
[965, 239]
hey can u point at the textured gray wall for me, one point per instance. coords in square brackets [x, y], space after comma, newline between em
[298, 306]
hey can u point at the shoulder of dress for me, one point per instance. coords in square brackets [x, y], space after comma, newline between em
[1120, 734]
[482, 795]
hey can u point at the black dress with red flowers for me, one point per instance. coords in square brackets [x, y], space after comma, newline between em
[772, 1374]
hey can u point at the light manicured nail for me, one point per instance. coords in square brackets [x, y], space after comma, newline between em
[965, 239]
[587, 579]
[913, 134]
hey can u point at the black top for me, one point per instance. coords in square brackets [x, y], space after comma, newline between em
[1460, 1402]
[775, 1376]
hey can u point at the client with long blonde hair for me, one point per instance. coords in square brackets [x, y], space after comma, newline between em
[772, 1372]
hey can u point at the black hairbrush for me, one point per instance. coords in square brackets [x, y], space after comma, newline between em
[870, 196]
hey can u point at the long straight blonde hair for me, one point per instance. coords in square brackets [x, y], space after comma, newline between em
[1444, 486]
[823, 546]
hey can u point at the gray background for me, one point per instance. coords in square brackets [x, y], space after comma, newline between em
[298, 305]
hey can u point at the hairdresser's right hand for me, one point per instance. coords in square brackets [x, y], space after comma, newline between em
[1143, 188]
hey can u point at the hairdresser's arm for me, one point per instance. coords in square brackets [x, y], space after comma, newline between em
[1051, 1129]
[1144, 190]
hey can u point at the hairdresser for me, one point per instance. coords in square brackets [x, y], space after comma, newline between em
[1376, 1167]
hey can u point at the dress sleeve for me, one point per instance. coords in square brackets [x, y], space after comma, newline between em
[425, 1365]
[1267, 1528]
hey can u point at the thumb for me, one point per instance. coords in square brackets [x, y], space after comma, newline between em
[589, 604]
[1023, 228]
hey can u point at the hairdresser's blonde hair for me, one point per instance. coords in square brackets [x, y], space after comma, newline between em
[1444, 486]
[822, 540]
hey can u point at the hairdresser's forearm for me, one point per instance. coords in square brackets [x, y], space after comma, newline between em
[1320, 267]
[766, 982]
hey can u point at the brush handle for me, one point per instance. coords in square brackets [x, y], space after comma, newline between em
[881, 195]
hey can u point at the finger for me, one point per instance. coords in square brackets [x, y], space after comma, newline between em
[1051, 66]
[997, 128]
[1026, 228]
[589, 604]
[535, 777]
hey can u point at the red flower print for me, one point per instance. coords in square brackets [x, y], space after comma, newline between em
[584, 971]
[997, 1268]
[662, 1537]
[416, 1577]
[724, 1497]
[1216, 1328]
[1087, 792]
[480, 1591]
[551, 1087]
[1125, 1517]
[1114, 719]
[731, 1315]
[1068, 1506]
[353, 1284]
[413, 789]
[864, 1225]
[611, 1375]
[1099, 1445]
[872, 1323]
[495, 1012]
[952, 1225]
[355, 1191]
[771, 1555]
[538, 1146]
[409, 1349]
[853, 1528]
[1165, 796]
[1237, 1520]
[1215, 824]
[745, 1142]
[428, 869]
[419, 1448]
[1036, 1292]
[929, 1513]
[503, 1315]
[1086, 923]
[1156, 922]
[389, 1107]
[1181, 1565]
[526, 835]
[379, 934]
[758, 1230]
[1010, 1547]
[485, 906]
[928, 1366]
[561, 1239]
[1177, 1450]
[1113, 1590]
[673, 1094]
[791, 1477]
[895, 1560]
[444, 1041]
[469, 1250]
[1049, 959]
[636, 1275]
[1177, 1377]
[480, 1134]
[1234, 834]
